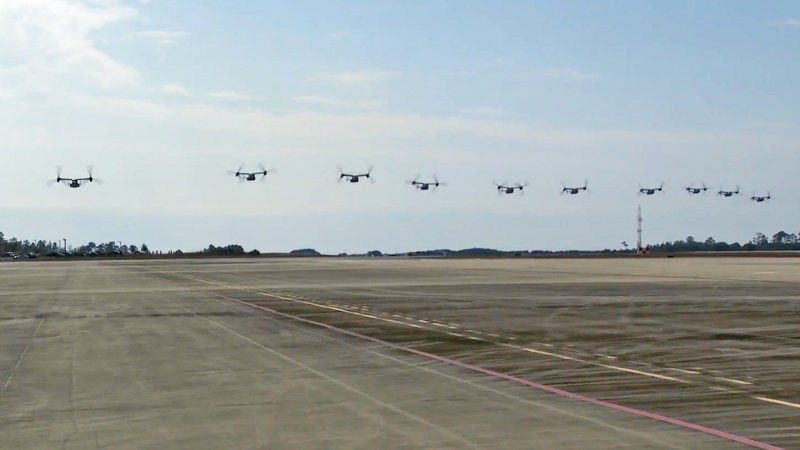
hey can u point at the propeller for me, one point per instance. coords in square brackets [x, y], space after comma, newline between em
[92, 179]
[58, 177]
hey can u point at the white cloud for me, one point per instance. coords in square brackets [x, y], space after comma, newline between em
[231, 95]
[159, 37]
[44, 42]
[175, 89]
[357, 77]
[484, 111]
[790, 22]
[566, 73]
[334, 102]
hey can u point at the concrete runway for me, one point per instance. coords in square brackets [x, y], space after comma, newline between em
[207, 354]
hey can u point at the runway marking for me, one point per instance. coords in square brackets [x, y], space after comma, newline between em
[779, 402]
[517, 347]
[335, 381]
[542, 387]
[722, 389]
[733, 380]
[13, 370]
[688, 372]
[421, 366]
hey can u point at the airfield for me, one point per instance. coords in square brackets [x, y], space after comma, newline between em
[325, 353]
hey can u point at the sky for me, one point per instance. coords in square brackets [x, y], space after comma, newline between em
[164, 97]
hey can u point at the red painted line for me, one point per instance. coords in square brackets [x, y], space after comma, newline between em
[542, 387]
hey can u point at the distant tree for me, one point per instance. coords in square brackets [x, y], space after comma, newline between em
[304, 252]
[133, 249]
[780, 237]
[760, 240]
[709, 242]
[145, 249]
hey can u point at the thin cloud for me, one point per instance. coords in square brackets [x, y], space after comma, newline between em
[484, 111]
[231, 95]
[175, 89]
[570, 74]
[790, 22]
[357, 77]
[336, 35]
[159, 37]
[335, 102]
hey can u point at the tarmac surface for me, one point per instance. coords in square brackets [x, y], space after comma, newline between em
[400, 354]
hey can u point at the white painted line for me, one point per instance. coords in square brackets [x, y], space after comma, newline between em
[21, 357]
[555, 355]
[733, 380]
[721, 389]
[690, 372]
[455, 334]
[647, 374]
[493, 335]
[439, 324]
[779, 402]
[336, 381]
[476, 338]
[422, 320]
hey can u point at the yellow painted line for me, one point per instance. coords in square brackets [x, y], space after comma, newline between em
[779, 402]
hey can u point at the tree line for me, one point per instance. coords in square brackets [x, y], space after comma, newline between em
[42, 247]
[760, 242]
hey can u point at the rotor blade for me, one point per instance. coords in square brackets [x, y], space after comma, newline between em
[58, 171]
[261, 167]
[51, 182]
[90, 170]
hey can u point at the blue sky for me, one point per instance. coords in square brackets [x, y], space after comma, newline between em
[164, 96]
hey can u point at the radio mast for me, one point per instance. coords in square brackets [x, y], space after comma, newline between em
[639, 248]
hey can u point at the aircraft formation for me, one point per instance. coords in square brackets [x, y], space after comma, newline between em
[434, 183]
